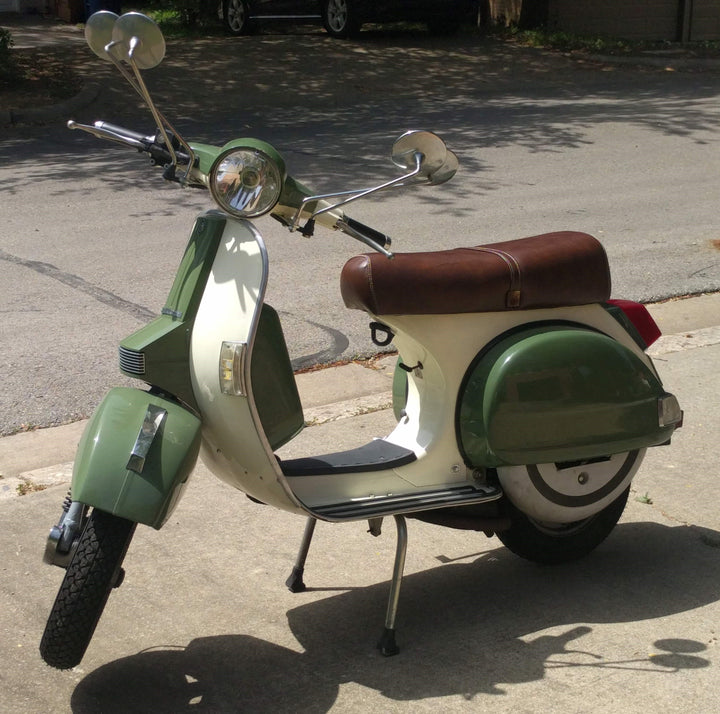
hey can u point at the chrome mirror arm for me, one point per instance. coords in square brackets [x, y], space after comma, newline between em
[148, 99]
[353, 195]
[138, 84]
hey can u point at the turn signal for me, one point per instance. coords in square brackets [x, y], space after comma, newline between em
[669, 412]
[232, 368]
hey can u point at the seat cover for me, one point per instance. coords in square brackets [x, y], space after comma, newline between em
[549, 270]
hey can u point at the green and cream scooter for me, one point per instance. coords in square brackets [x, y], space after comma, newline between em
[523, 396]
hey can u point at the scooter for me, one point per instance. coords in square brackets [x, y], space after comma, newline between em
[524, 399]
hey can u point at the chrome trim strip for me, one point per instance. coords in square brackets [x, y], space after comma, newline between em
[371, 507]
[154, 417]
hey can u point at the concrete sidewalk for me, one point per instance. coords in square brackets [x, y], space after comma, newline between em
[204, 623]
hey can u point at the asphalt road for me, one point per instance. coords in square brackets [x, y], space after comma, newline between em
[91, 236]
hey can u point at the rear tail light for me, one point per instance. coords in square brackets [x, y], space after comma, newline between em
[639, 318]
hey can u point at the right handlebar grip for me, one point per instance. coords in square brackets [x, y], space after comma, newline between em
[376, 236]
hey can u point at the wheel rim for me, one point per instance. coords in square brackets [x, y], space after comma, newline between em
[571, 492]
[337, 15]
[236, 15]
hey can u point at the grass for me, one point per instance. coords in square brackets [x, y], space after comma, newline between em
[178, 23]
[28, 487]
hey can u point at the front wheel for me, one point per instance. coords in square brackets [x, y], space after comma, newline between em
[339, 18]
[91, 575]
[554, 543]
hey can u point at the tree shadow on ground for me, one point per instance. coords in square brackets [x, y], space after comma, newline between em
[469, 629]
[334, 108]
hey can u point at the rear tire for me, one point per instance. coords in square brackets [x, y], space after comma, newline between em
[554, 543]
[339, 18]
[91, 575]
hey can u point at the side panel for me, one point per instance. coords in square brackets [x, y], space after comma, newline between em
[557, 393]
[101, 477]
[446, 345]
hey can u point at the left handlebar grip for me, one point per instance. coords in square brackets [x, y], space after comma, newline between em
[129, 133]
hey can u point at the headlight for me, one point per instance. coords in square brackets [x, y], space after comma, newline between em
[246, 181]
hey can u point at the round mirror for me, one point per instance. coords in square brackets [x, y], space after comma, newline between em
[140, 38]
[98, 32]
[430, 145]
[446, 171]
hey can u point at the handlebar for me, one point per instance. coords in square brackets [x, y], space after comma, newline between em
[122, 131]
[369, 236]
[155, 146]
[152, 144]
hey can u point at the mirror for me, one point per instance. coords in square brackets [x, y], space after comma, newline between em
[98, 32]
[446, 171]
[140, 39]
[431, 146]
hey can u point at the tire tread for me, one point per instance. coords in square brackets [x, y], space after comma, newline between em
[87, 584]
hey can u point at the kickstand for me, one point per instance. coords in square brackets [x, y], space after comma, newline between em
[387, 645]
[295, 582]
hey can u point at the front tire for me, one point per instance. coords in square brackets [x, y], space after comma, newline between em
[90, 577]
[236, 17]
[554, 543]
[339, 18]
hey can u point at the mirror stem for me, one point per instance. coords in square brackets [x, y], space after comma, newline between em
[138, 84]
[354, 195]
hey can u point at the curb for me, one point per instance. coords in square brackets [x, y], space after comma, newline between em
[667, 344]
[37, 480]
[86, 96]
[669, 63]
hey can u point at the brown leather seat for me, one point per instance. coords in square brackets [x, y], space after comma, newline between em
[549, 270]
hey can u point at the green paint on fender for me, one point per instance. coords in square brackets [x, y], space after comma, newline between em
[101, 478]
[557, 393]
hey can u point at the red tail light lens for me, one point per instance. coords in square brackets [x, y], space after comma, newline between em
[640, 318]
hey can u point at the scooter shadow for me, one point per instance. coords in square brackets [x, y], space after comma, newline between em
[465, 628]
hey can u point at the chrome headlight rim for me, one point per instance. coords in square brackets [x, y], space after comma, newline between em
[267, 177]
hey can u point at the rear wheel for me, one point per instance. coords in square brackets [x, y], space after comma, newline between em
[236, 17]
[553, 543]
[339, 18]
[91, 575]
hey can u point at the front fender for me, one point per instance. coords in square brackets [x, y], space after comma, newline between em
[144, 489]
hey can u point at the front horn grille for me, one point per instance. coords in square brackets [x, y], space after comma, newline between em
[131, 361]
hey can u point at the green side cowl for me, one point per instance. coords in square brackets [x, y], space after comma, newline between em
[558, 393]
